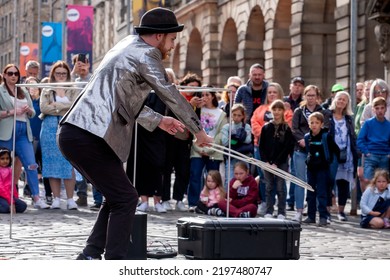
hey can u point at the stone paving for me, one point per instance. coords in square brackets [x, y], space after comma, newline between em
[61, 234]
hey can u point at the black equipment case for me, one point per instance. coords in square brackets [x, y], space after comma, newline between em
[238, 238]
[137, 246]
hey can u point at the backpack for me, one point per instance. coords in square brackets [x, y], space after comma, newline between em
[324, 142]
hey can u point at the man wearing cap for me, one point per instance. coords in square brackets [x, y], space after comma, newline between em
[335, 88]
[95, 134]
[293, 100]
[297, 86]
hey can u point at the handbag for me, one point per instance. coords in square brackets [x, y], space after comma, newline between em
[343, 155]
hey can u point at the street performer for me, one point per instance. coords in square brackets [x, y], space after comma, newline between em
[96, 132]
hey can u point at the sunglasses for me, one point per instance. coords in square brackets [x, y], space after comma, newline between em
[383, 91]
[61, 74]
[10, 74]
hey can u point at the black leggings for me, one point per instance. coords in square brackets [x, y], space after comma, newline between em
[343, 191]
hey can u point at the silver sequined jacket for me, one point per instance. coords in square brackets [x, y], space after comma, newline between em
[113, 98]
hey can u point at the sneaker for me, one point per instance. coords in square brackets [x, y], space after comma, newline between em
[143, 207]
[40, 204]
[245, 214]
[268, 216]
[180, 206]
[84, 257]
[298, 217]
[309, 221]
[261, 208]
[281, 217]
[219, 212]
[167, 206]
[82, 201]
[323, 222]
[159, 208]
[95, 207]
[191, 209]
[342, 217]
[290, 208]
[49, 200]
[71, 204]
[56, 204]
[329, 220]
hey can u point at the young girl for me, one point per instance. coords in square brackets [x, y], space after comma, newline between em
[212, 193]
[276, 144]
[18, 205]
[243, 193]
[375, 202]
[241, 138]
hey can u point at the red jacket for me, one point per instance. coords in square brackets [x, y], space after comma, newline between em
[247, 193]
[5, 184]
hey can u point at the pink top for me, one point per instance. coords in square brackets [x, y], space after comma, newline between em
[5, 184]
[213, 197]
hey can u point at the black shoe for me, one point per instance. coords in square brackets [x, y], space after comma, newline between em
[309, 221]
[323, 222]
[95, 207]
[84, 257]
[26, 191]
[49, 200]
[82, 201]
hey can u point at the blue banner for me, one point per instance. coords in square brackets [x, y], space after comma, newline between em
[51, 45]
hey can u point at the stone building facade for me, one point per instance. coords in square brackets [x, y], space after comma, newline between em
[310, 38]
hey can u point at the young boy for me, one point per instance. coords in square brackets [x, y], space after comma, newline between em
[321, 149]
[373, 140]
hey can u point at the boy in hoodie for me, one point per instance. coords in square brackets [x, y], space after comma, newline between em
[320, 149]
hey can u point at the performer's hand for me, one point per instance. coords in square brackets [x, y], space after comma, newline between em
[202, 139]
[171, 125]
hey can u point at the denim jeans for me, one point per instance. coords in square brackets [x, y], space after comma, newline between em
[319, 181]
[373, 162]
[20, 205]
[275, 183]
[229, 175]
[196, 172]
[291, 190]
[25, 152]
[97, 196]
[300, 172]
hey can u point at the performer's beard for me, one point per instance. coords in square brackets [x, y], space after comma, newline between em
[164, 52]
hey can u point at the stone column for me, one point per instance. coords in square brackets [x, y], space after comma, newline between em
[382, 33]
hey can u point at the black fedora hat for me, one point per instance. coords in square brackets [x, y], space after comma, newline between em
[158, 20]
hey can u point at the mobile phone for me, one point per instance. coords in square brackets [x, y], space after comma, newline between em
[82, 57]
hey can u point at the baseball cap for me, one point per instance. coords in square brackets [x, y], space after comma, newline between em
[298, 79]
[337, 87]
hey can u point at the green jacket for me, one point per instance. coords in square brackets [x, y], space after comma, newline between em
[358, 113]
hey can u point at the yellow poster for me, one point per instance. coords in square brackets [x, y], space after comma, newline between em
[141, 6]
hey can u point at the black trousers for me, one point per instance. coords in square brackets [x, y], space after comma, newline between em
[98, 163]
[178, 158]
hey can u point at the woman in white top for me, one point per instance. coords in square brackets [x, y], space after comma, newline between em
[212, 119]
[23, 109]
[54, 104]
